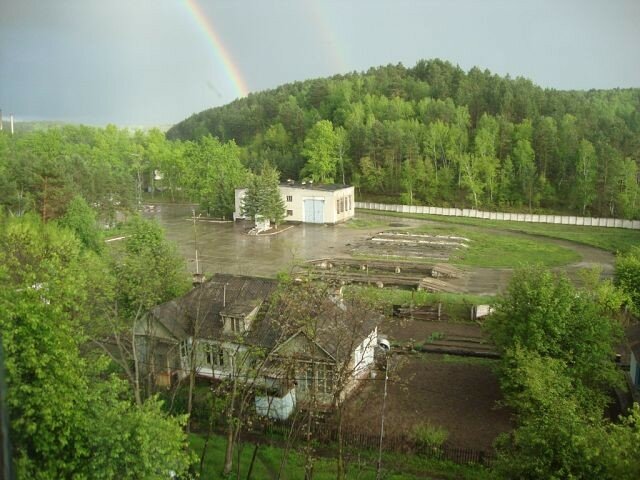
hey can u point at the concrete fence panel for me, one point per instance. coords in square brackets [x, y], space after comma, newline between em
[514, 217]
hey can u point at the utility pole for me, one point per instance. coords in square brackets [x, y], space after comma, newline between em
[6, 468]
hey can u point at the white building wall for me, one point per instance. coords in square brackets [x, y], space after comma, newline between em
[363, 356]
[278, 408]
[339, 205]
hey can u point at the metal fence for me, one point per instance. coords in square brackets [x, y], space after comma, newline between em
[358, 439]
[513, 217]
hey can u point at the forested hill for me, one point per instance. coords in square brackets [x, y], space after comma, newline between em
[434, 134]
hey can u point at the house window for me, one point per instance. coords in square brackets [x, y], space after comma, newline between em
[319, 376]
[305, 378]
[289, 213]
[215, 355]
[184, 349]
[289, 198]
[234, 324]
[238, 324]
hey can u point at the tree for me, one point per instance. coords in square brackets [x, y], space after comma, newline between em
[556, 372]
[68, 417]
[543, 313]
[214, 173]
[525, 167]
[263, 197]
[321, 147]
[627, 275]
[586, 175]
[81, 219]
[148, 272]
[471, 167]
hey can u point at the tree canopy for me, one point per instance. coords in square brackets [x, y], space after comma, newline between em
[69, 418]
[468, 138]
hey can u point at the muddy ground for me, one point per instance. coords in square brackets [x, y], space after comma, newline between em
[224, 247]
[457, 395]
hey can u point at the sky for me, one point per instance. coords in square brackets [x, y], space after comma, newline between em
[156, 62]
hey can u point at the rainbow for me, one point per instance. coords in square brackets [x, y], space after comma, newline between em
[320, 19]
[231, 70]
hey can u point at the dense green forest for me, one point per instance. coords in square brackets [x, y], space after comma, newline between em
[111, 168]
[434, 134]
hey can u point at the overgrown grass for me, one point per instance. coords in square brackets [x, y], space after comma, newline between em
[360, 466]
[461, 360]
[397, 296]
[455, 305]
[610, 239]
[366, 223]
[488, 249]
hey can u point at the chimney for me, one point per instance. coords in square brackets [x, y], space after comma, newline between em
[197, 279]
[11, 120]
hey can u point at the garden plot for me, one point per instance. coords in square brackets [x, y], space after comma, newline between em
[416, 246]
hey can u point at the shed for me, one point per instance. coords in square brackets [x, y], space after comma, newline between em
[310, 202]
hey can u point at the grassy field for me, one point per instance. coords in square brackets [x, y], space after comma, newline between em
[488, 249]
[362, 467]
[491, 249]
[396, 296]
[610, 239]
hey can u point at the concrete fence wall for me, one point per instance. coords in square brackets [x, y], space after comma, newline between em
[514, 217]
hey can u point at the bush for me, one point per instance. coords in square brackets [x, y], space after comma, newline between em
[429, 437]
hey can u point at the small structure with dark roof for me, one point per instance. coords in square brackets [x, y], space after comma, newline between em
[230, 323]
[310, 202]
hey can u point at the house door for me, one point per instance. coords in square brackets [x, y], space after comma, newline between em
[313, 210]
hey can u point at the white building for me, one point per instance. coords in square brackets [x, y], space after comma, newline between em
[310, 202]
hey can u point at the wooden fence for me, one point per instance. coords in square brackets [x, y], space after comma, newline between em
[357, 439]
[513, 217]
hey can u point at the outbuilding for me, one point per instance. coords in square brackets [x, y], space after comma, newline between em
[310, 202]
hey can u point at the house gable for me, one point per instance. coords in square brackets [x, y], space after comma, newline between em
[301, 346]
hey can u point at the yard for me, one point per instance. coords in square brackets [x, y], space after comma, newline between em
[458, 394]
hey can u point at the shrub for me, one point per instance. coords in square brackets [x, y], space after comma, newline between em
[429, 437]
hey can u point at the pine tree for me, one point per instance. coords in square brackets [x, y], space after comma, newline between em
[263, 196]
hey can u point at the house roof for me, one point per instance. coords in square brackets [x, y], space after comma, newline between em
[199, 311]
[337, 327]
[326, 187]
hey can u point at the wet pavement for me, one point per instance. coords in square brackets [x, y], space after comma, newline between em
[225, 247]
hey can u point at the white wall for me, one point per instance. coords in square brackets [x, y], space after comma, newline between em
[363, 355]
[514, 217]
[276, 407]
[330, 197]
[299, 195]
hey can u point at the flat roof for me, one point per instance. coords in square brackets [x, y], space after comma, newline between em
[327, 187]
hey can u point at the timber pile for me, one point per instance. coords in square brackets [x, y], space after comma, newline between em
[372, 279]
[411, 245]
[382, 266]
[446, 271]
[384, 273]
[435, 285]
[401, 252]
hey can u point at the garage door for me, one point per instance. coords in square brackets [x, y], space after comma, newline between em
[313, 211]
